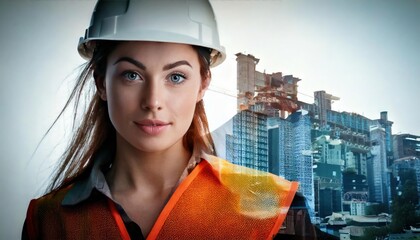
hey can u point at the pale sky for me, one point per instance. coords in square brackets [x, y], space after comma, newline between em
[367, 52]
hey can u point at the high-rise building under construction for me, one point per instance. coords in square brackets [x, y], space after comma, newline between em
[339, 158]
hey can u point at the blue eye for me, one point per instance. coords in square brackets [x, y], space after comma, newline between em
[131, 76]
[177, 78]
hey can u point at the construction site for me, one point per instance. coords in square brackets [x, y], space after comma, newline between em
[340, 159]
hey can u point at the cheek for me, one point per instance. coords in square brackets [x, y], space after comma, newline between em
[183, 107]
[183, 103]
[121, 102]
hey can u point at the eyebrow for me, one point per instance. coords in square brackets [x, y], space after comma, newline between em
[132, 61]
[176, 64]
[141, 65]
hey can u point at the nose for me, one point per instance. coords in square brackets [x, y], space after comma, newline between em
[152, 99]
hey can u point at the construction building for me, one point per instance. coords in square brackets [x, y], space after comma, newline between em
[270, 94]
[406, 145]
[341, 139]
[322, 104]
[353, 131]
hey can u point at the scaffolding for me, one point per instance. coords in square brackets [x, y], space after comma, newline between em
[249, 144]
[270, 94]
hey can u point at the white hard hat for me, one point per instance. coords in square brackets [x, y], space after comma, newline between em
[177, 21]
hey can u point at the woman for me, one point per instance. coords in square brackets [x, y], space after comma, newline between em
[140, 164]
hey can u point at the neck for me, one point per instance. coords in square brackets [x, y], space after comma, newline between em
[135, 170]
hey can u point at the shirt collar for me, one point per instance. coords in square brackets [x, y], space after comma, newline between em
[82, 189]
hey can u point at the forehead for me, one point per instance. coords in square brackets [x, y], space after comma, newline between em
[155, 51]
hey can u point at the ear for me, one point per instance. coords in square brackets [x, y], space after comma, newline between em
[100, 86]
[204, 86]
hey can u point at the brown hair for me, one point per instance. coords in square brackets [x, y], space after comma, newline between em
[96, 130]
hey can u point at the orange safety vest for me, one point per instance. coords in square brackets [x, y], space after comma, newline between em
[217, 200]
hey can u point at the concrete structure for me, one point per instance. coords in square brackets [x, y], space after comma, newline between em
[387, 125]
[270, 94]
[322, 104]
[353, 130]
[406, 145]
[289, 85]
[246, 82]
[328, 150]
[246, 72]
[378, 177]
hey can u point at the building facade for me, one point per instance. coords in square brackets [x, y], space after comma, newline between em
[248, 145]
[403, 164]
[290, 153]
[387, 125]
[269, 94]
[378, 174]
[406, 145]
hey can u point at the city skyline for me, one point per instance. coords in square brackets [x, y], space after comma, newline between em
[341, 160]
[351, 157]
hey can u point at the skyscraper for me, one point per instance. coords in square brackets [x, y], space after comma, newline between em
[378, 178]
[290, 151]
[387, 125]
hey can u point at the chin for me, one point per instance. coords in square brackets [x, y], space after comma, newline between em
[155, 146]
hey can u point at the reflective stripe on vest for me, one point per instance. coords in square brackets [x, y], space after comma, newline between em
[219, 200]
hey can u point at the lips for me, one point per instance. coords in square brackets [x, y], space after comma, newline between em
[151, 126]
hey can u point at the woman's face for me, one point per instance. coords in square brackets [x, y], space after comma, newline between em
[151, 90]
